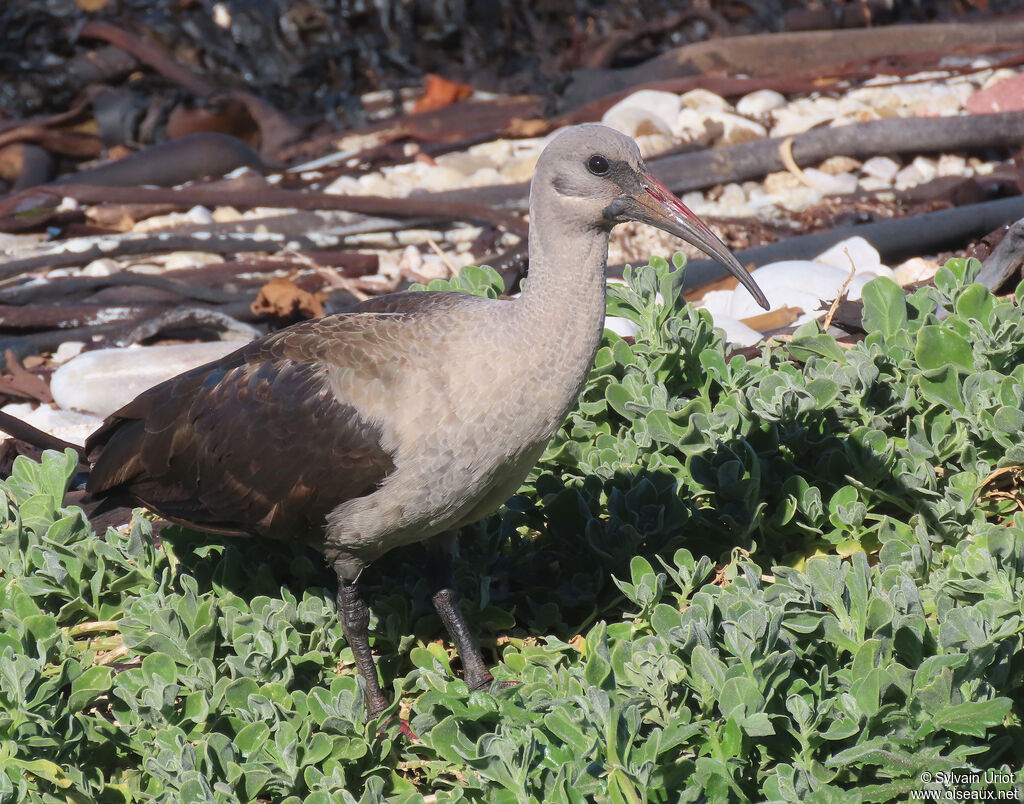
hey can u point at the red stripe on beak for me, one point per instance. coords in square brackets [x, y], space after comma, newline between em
[659, 191]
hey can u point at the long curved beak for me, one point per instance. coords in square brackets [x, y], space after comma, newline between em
[657, 206]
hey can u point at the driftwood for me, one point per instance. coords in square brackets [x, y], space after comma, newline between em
[428, 206]
[1005, 260]
[913, 135]
[733, 163]
[195, 156]
[782, 54]
[895, 239]
[49, 292]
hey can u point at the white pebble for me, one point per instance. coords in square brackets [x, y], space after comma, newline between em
[760, 102]
[634, 121]
[736, 331]
[344, 185]
[66, 351]
[621, 326]
[881, 167]
[951, 165]
[840, 184]
[863, 255]
[465, 163]
[703, 99]
[104, 266]
[908, 177]
[800, 284]
[103, 381]
[737, 129]
[926, 167]
[410, 262]
[791, 121]
[716, 302]
[915, 269]
[732, 196]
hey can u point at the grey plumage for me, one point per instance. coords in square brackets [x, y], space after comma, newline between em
[411, 416]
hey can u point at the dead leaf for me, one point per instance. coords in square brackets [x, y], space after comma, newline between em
[22, 382]
[440, 92]
[774, 319]
[282, 298]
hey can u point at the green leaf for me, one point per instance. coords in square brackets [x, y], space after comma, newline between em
[885, 307]
[942, 386]
[938, 347]
[973, 718]
[95, 681]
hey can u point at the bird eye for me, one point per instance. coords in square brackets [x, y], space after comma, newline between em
[597, 165]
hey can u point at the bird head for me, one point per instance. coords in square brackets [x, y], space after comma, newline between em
[599, 176]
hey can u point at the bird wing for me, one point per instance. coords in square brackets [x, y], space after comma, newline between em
[256, 442]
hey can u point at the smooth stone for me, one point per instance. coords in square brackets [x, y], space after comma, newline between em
[840, 184]
[872, 185]
[653, 144]
[105, 380]
[732, 196]
[801, 284]
[497, 151]
[790, 121]
[197, 215]
[69, 425]
[466, 163]
[908, 177]
[622, 327]
[186, 259]
[690, 125]
[951, 165]
[865, 257]
[835, 165]
[760, 102]
[881, 167]
[915, 269]
[703, 99]
[344, 185]
[104, 266]
[663, 104]
[66, 351]
[737, 129]
[413, 237]
[519, 169]
[485, 176]
[634, 121]
[926, 167]
[716, 302]
[736, 331]
[374, 184]
[434, 267]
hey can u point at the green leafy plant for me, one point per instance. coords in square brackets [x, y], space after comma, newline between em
[791, 577]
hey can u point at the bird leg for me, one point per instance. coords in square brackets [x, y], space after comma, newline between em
[355, 622]
[446, 601]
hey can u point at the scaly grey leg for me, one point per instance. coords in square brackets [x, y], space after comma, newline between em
[446, 601]
[355, 622]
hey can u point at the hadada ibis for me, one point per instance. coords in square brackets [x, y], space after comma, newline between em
[409, 417]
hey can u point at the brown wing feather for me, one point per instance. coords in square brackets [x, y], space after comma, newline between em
[255, 442]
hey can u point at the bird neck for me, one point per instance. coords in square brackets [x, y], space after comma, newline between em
[562, 307]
